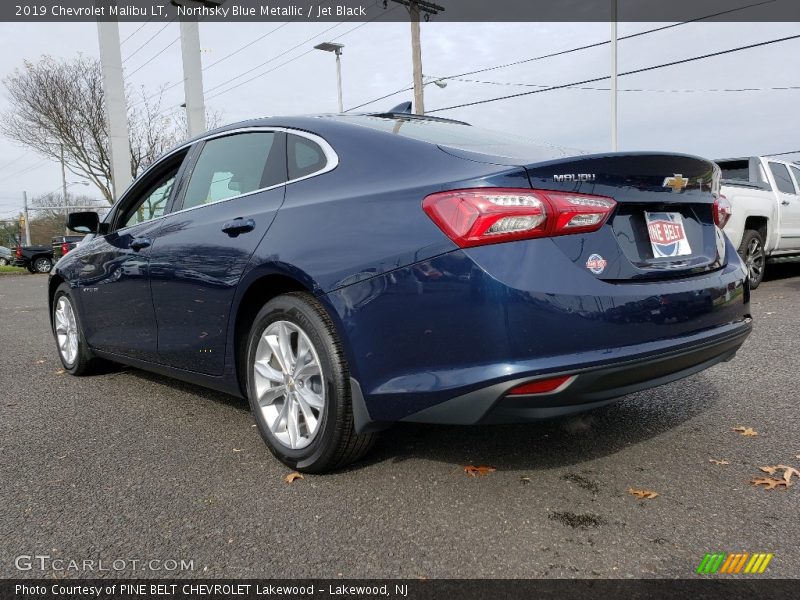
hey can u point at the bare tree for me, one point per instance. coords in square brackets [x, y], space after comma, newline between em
[59, 104]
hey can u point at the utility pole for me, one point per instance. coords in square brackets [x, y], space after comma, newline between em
[415, 9]
[416, 58]
[64, 190]
[116, 107]
[25, 217]
[614, 144]
[193, 77]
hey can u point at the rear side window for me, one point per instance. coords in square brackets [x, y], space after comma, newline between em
[234, 165]
[305, 157]
[782, 179]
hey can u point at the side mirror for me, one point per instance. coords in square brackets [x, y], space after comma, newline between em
[83, 222]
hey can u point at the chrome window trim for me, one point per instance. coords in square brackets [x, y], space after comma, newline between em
[331, 158]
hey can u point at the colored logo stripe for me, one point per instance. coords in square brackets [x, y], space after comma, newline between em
[720, 562]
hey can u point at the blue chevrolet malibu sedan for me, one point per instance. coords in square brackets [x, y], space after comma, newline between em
[344, 272]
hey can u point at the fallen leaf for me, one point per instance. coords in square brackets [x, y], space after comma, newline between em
[798, 456]
[746, 431]
[788, 472]
[769, 483]
[292, 476]
[718, 462]
[41, 361]
[769, 470]
[642, 494]
[238, 449]
[474, 471]
[525, 480]
[60, 372]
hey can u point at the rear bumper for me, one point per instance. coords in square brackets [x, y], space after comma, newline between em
[592, 386]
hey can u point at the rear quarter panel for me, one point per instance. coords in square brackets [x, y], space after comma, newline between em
[748, 203]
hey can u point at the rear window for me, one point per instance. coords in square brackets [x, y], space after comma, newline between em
[736, 169]
[465, 137]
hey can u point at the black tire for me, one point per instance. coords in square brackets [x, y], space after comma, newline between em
[3, 262]
[41, 264]
[335, 443]
[83, 363]
[755, 259]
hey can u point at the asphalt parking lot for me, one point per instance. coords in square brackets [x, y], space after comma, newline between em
[129, 465]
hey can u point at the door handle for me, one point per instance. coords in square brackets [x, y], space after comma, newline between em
[140, 243]
[785, 202]
[238, 225]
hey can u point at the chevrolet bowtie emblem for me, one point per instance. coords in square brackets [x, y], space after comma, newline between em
[676, 183]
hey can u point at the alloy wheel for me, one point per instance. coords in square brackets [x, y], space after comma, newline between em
[66, 330]
[754, 259]
[289, 384]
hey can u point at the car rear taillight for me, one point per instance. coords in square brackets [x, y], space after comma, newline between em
[542, 386]
[474, 217]
[64, 248]
[722, 211]
[18, 252]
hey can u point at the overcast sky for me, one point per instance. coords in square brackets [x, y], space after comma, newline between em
[376, 61]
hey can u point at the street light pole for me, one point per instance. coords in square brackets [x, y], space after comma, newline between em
[339, 78]
[336, 49]
[614, 144]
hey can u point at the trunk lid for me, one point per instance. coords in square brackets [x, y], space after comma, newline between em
[663, 225]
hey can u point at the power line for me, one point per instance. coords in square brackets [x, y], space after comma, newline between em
[152, 58]
[284, 53]
[8, 164]
[216, 62]
[309, 51]
[576, 49]
[154, 36]
[635, 71]
[35, 165]
[605, 89]
[138, 29]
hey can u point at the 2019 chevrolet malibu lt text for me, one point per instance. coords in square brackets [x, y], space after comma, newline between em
[344, 272]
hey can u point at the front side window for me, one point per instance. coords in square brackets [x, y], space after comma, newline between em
[154, 202]
[234, 165]
[782, 179]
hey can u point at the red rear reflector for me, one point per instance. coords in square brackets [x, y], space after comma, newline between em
[64, 248]
[479, 216]
[18, 252]
[543, 386]
[722, 211]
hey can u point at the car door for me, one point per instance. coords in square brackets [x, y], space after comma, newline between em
[789, 206]
[790, 215]
[113, 269]
[234, 189]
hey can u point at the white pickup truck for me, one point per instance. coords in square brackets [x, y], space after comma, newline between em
[765, 196]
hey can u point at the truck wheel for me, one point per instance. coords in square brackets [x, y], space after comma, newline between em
[42, 265]
[3, 262]
[752, 252]
[298, 384]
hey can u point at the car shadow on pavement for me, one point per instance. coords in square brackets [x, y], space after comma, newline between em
[550, 443]
[542, 444]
